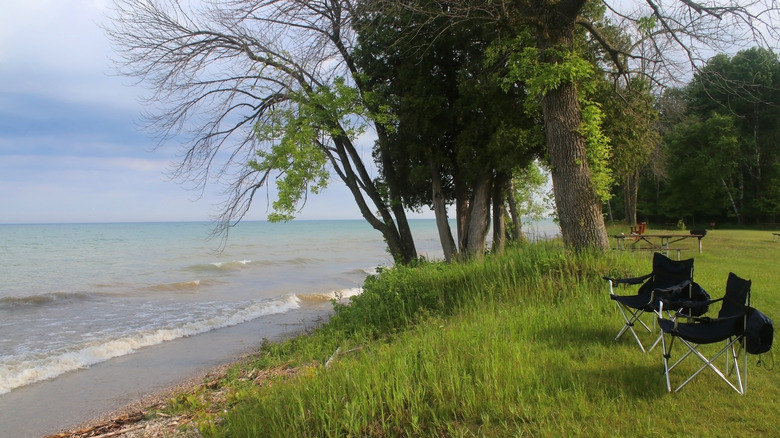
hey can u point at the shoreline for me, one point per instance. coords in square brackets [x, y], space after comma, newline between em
[103, 393]
[134, 420]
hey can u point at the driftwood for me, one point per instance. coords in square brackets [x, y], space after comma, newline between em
[114, 427]
[120, 432]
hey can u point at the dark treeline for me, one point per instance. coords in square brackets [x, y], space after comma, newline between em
[719, 159]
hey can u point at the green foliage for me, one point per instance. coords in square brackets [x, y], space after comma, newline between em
[540, 77]
[446, 116]
[599, 149]
[721, 143]
[646, 25]
[390, 301]
[404, 295]
[630, 122]
[526, 67]
[532, 192]
[703, 158]
[297, 136]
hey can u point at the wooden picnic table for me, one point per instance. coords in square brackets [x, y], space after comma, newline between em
[653, 241]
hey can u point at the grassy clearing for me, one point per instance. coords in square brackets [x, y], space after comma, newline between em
[518, 345]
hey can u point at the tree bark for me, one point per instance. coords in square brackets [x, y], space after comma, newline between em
[478, 219]
[517, 221]
[579, 209]
[403, 249]
[731, 199]
[499, 215]
[461, 216]
[578, 206]
[440, 212]
[630, 194]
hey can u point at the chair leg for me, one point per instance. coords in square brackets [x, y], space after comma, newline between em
[630, 321]
[667, 355]
[709, 363]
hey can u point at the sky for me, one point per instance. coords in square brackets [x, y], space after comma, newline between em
[71, 144]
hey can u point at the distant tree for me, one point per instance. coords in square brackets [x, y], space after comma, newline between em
[721, 140]
[629, 122]
[704, 174]
[746, 89]
[528, 197]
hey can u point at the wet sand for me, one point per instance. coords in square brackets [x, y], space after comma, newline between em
[96, 393]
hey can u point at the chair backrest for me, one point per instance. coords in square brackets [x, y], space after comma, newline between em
[668, 272]
[737, 297]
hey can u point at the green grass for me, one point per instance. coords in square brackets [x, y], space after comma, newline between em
[517, 345]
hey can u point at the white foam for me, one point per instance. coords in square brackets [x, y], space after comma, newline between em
[341, 295]
[23, 371]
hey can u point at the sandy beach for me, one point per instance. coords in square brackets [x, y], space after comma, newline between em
[126, 386]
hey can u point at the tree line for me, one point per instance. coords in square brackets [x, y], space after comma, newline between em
[719, 158]
[464, 98]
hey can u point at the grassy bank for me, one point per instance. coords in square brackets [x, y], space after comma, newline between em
[517, 345]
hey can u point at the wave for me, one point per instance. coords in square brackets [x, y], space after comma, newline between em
[233, 265]
[43, 299]
[302, 261]
[340, 295]
[182, 286]
[26, 370]
[221, 266]
[107, 291]
[364, 271]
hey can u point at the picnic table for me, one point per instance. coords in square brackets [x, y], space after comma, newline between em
[654, 241]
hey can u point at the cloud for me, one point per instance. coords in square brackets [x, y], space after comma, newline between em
[57, 48]
[71, 149]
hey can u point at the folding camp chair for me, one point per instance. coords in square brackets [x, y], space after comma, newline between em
[669, 278]
[729, 326]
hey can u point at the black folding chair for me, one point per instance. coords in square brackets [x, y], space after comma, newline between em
[729, 326]
[672, 279]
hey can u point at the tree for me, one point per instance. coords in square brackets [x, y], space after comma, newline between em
[257, 91]
[722, 143]
[629, 119]
[455, 135]
[746, 89]
[527, 196]
[704, 174]
[668, 35]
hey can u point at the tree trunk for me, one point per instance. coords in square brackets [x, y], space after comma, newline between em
[440, 212]
[403, 248]
[579, 209]
[731, 199]
[631, 193]
[517, 221]
[499, 215]
[462, 216]
[478, 219]
[578, 206]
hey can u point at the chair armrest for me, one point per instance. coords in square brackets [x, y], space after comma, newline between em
[631, 280]
[671, 289]
[707, 319]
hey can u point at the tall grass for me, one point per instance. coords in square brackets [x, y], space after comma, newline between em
[516, 345]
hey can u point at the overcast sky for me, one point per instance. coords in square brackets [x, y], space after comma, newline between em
[71, 149]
